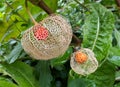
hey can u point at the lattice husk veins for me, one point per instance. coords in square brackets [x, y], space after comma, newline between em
[87, 67]
[57, 42]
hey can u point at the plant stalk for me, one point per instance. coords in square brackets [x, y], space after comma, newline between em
[42, 5]
[118, 3]
[28, 11]
[45, 7]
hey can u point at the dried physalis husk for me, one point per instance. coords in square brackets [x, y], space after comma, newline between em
[48, 39]
[83, 62]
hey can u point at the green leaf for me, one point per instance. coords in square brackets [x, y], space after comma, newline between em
[76, 80]
[117, 85]
[17, 19]
[117, 75]
[97, 30]
[115, 60]
[72, 11]
[10, 29]
[21, 73]
[3, 27]
[117, 36]
[114, 51]
[77, 83]
[87, 1]
[62, 59]
[108, 2]
[104, 76]
[15, 53]
[43, 74]
[5, 83]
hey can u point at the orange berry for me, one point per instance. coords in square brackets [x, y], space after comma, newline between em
[80, 57]
[41, 33]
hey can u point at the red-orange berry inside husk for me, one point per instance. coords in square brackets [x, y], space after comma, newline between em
[41, 33]
[80, 57]
[81, 66]
[48, 39]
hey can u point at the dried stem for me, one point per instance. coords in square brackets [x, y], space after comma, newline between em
[77, 40]
[45, 7]
[42, 5]
[118, 2]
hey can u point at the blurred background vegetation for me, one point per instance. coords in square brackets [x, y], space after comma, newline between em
[17, 69]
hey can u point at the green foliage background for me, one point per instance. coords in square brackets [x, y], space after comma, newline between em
[95, 22]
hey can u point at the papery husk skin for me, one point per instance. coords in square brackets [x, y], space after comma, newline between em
[57, 42]
[87, 67]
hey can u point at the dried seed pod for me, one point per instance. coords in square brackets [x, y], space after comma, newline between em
[83, 62]
[48, 39]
